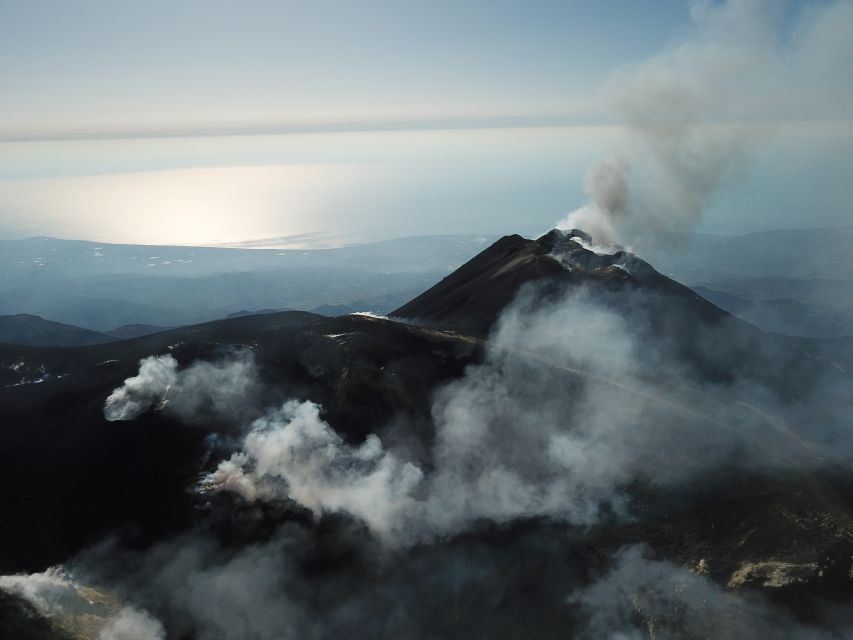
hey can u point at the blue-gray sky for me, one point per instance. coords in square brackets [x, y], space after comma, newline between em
[94, 66]
[207, 122]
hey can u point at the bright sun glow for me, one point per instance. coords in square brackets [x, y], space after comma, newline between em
[206, 205]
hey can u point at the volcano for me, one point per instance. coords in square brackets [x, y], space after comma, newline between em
[746, 523]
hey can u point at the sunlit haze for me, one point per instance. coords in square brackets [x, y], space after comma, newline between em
[220, 122]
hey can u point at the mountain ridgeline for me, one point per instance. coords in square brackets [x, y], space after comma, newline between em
[470, 301]
[25, 329]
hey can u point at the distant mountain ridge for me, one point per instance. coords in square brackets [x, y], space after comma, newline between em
[809, 307]
[128, 331]
[794, 282]
[783, 253]
[84, 258]
[30, 330]
[103, 286]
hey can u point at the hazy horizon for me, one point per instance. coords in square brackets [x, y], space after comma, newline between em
[321, 242]
[208, 124]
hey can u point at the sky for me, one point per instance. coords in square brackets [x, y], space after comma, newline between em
[330, 122]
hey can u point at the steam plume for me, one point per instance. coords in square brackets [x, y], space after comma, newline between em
[695, 111]
[131, 624]
[55, 594]
[225, 389]
[51, 592]
[292, 451]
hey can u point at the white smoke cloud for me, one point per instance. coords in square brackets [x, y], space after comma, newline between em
[51, 592]
[696, 110]
[157, 374]
[226, 388]
[606, 185]
[131, 624]
[56, 594]
[293, 451]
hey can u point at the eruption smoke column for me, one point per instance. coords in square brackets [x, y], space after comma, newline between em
[606, 185]
[695, 111]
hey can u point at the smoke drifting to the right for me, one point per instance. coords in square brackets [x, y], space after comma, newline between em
[695, 112]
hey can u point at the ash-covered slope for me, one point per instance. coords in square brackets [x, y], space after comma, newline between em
[35, 331]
